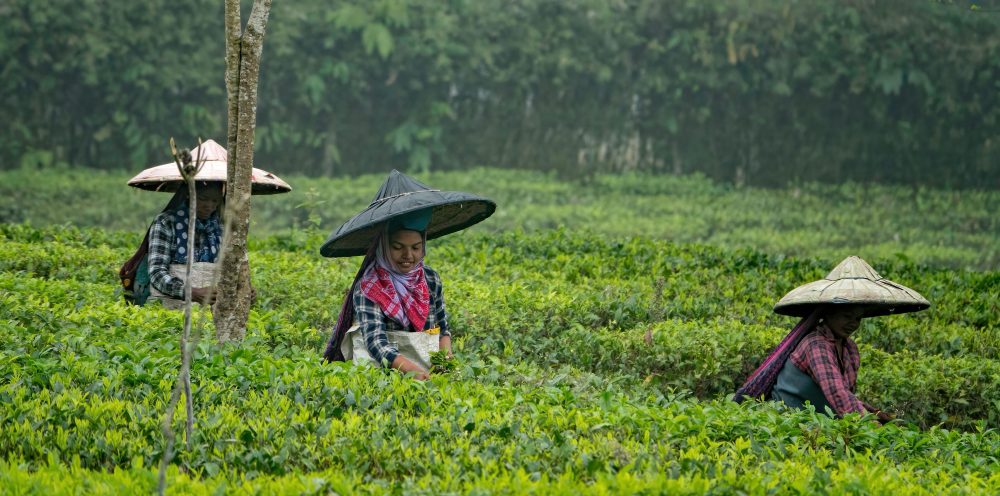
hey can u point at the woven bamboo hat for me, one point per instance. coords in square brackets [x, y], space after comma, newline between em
[852, 282]
[401, 195]
[166, 177]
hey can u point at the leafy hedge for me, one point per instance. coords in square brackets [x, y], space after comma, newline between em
[557, 389]
[957, 229]
[762, 93]
[566, 299]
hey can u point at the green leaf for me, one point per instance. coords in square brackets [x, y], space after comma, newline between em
[396, 13]
[890, 81]
[314, 88]
[351, 17]
[376, 37]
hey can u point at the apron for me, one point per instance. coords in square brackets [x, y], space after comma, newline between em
[795, 387]
[202, 275]
[415, 346]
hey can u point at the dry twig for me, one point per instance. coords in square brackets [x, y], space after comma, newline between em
[189, 169]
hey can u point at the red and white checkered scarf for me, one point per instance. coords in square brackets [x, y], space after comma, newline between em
[404, 297]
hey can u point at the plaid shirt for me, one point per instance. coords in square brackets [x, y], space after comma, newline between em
[836, 375]
[161, 253]
[375, 324]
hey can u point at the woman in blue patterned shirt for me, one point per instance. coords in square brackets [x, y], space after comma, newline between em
[168, 240]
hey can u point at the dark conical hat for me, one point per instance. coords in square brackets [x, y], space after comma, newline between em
[167, 178]
[852, 282]
[401, 194]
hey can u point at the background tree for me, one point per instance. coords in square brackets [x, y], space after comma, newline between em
[759, 93]
[243, 52]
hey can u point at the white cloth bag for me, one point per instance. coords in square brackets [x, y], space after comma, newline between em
[416, 346]
[202, 276]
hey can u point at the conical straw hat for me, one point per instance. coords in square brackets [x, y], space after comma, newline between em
[166, 177]
[853, 282]
[400, 194]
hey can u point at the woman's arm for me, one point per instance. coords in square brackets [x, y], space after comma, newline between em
[883, 417]
[404, 365]
[371, 322]
[444, 343]
[161, 243]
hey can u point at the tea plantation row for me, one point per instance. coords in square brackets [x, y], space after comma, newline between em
[958, 229]
[557, 389]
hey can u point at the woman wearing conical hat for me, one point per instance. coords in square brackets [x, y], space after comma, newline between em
[817, 363]
[394, 313]
[156, 271]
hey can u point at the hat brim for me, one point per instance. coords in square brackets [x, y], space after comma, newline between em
[452, 211]
[881, 297]
[167, 178]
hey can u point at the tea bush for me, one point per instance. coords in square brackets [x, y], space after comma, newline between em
[556, 389]
[957, 229]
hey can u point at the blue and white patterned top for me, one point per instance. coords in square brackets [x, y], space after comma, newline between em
[168, 244]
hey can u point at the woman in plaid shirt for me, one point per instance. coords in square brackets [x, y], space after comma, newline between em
[817, 362]
[393, 315]
[168, 240]
[823, 368]
[396, 292]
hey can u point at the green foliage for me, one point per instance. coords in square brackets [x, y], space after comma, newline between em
[879, 223]
[554, 389]
[764, 93]
[108, 84]
[441, 364]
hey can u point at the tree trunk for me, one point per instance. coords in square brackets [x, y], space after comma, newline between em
[243, 51]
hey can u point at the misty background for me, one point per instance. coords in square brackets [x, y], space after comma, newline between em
[760, 93]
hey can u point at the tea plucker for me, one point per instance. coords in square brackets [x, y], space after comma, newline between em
[818, 362]
[394, 313]
[159, 264]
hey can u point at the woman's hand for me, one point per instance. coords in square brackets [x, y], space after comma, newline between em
[205, 296]
[404, 365]
[881, 416]
[444, 344]
[884, 417]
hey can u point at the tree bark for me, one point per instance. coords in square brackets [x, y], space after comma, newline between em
[243, 52]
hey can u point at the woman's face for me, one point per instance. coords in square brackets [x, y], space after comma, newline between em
[843, 321]
[406, 250]
[209, 200]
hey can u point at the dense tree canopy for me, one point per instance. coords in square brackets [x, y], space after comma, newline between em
[762, 92]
